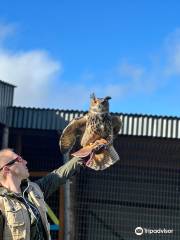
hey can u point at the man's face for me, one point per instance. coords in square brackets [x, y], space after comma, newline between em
[17, 167]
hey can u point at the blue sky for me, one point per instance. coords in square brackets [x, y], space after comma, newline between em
[59, 52]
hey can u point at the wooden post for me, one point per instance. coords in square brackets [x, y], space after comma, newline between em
[19, 144]
[67, 206]
[61, 213]
[5, 137]
[72, 205]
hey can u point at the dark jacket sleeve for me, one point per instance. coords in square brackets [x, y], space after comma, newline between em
[1, 225]
[52, 181]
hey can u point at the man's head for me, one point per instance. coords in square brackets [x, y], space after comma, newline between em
[12, 165]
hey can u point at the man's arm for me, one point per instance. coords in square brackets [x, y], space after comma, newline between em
[52, 181]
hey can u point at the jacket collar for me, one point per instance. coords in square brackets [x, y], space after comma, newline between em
[6, 192]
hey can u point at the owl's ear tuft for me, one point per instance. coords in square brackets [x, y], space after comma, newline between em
[92, 96]
[107, 98]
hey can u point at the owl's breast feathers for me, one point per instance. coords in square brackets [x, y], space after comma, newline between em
[97, 126]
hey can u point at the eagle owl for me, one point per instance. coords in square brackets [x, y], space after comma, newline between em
[98, 129]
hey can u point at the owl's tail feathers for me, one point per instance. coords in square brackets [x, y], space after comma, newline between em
[98, 157]
[104, 159]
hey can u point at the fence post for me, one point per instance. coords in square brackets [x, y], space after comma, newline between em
[5, 137]
[67, 206]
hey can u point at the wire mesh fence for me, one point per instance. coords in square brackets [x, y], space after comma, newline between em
[142, 190]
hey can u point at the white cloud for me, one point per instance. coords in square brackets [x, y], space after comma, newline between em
[172, 47]
[33, 72]
[135, 79]
[6, 30]
[130, 70]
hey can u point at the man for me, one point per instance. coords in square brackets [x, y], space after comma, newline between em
[22, 202]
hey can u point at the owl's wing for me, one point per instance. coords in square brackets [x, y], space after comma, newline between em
[116, 125]
[68, 138]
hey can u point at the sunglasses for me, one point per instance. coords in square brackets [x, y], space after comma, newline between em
[10, 163]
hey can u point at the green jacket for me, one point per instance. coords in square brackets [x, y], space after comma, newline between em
[47, 185]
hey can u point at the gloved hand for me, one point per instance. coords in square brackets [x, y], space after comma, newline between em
[92, 147]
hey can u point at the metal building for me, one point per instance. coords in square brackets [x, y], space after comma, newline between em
[141, 190]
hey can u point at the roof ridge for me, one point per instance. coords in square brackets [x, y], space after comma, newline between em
[113, 113]
[3, 82]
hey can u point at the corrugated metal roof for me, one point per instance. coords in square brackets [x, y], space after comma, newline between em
[6, 83]
[6, 99]
[152, 126]
[36, 118]
[133, 124]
